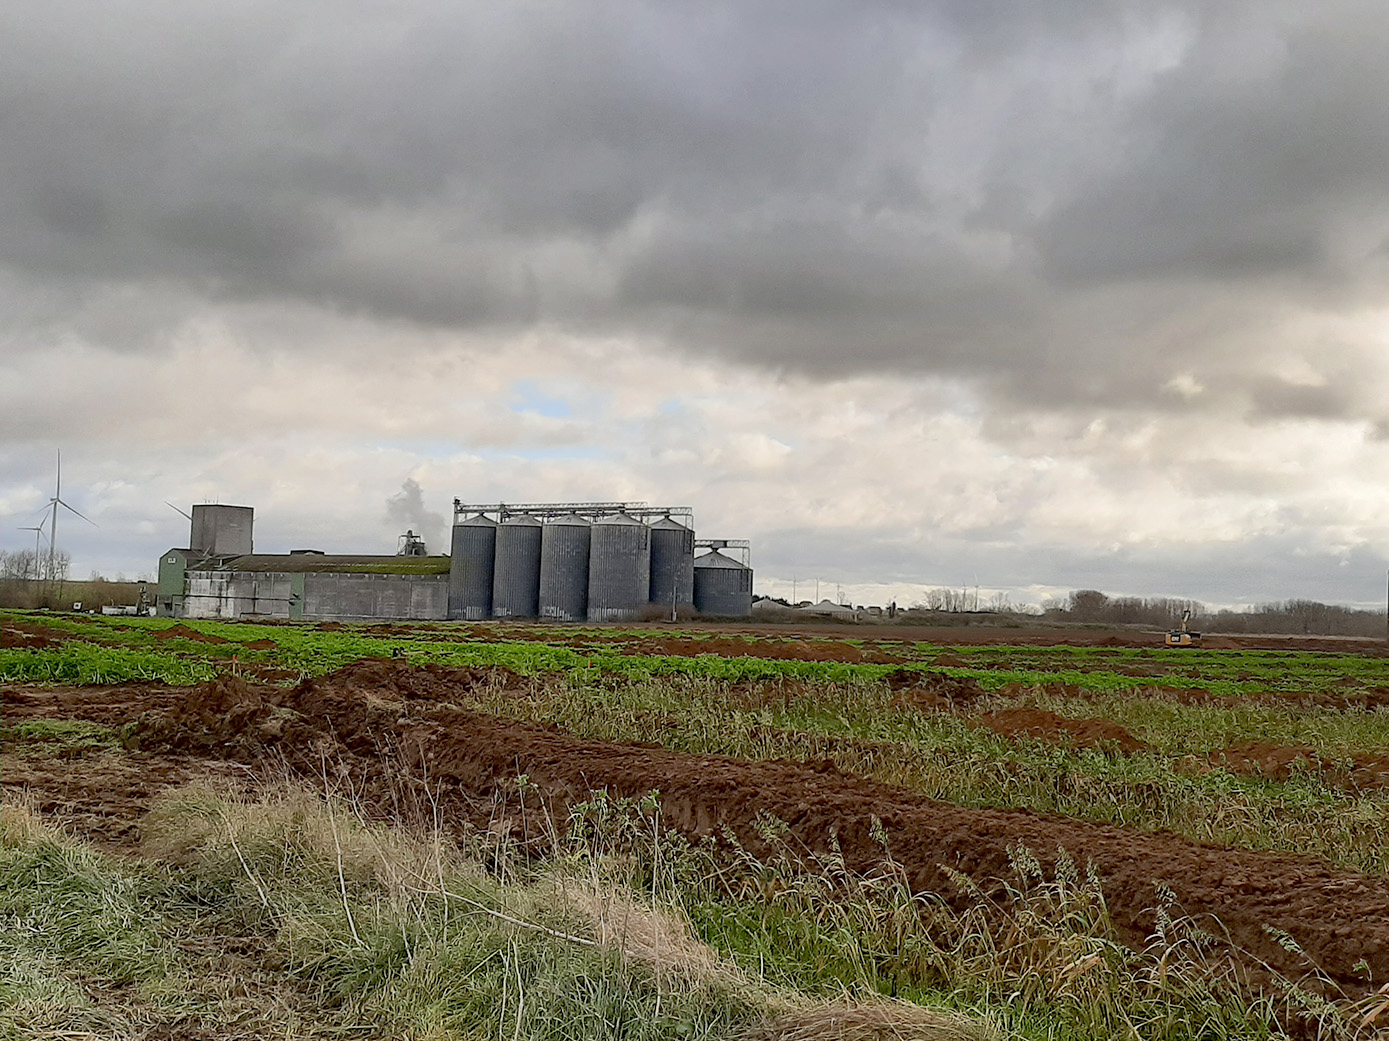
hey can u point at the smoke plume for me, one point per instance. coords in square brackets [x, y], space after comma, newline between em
[406, 511]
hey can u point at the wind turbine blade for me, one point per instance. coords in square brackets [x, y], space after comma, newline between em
[58, 480]
[177, 510]
[71, 510]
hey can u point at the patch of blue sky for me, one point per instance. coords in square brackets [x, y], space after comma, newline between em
[539, 453]
[441, 450]
[527, 396]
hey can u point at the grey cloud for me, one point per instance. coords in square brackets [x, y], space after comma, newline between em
[1242, 157]
[1045, 198]
[1274, 399]
[1238, 574]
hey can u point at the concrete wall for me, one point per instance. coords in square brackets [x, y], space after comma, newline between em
[348, 597]
[315, 597]
[237, 594]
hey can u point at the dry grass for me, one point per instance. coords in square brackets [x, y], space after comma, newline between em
[877, 1020]
[658, 938]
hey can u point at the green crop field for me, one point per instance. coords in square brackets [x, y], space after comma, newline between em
[353, 951]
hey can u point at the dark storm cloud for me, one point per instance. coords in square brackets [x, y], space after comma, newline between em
[1241, 159]
[1065, 200]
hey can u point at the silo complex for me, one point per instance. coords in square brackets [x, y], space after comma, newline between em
[564, 552]
[672, 564]
[470, 568]
[619, 569]
[516, 572]
[722, 586]
[594, 561]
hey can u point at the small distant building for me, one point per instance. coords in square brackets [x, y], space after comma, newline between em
[773, 610]
[829, 609]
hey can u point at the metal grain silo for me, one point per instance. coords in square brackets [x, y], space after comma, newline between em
[722, 586]
[564, 569]
[619, 569]
[516, 573]
[470, 568]
[672, 564]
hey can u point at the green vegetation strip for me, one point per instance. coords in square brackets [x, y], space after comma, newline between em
[131, 650]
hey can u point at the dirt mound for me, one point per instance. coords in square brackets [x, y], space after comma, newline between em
[383, 677]
[375, 725]
[21, 633]
[1219, 643]
[934, 691]
[1060, 730]
[1361, 772]
[226, 705]
[27, 638]
[184, 632]
[260, 645]
[270, 674]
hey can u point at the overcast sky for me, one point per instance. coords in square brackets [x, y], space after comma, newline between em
[1033, 296]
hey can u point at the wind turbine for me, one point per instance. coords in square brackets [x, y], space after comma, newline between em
[55, 502]
[38, 533]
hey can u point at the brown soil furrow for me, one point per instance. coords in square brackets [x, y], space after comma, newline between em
[472, 762]
[102, 795]
[112, 705]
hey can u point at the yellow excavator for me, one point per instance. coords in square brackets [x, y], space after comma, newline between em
[1183, 637]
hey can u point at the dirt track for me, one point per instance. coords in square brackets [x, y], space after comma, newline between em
[386, 727]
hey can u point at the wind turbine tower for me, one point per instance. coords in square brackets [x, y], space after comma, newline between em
[37, 529]
[55, 502]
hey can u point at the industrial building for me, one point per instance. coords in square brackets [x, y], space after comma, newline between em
[220, 576]
[566, 562]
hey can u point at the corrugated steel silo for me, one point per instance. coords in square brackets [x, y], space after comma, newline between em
[619, 569]
[564, 546]
[672, 563]
[470, 568]
[516, 573]
[722, 586]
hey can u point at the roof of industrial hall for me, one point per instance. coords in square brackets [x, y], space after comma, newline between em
[332, 563]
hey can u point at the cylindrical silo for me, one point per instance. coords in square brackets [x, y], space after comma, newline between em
[516, 572]
[722, 586]
[672, 564]
[470, 568]
[619, 569]
[564, 569]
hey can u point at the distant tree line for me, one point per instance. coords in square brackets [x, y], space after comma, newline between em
[28, 580]
[25, 565]
[1284, 616]
[956, 601]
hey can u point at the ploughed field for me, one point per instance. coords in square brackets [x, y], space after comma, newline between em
[1059, 839]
